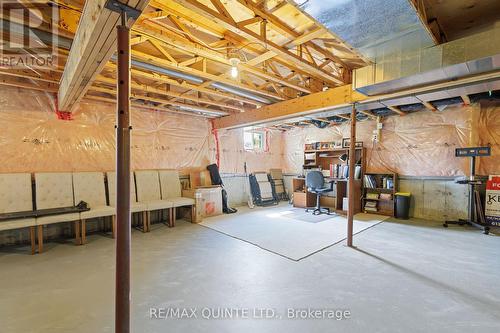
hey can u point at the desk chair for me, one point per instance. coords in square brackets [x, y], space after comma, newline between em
[315, 183]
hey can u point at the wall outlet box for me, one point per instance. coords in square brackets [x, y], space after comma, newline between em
[380, 126]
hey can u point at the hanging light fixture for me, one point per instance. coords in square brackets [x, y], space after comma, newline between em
[234, 61]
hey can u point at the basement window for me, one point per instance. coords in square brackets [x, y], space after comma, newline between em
[254, 140]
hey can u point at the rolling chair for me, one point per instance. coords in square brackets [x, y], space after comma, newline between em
[315, 183]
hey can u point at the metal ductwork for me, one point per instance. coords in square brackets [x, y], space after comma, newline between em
[241, 93]
[196, 79]
[476, 54]
[203, 111]
[451, 93]
[43, 36]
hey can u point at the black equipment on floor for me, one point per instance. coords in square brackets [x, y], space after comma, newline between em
[315, 183]
[81, 207]
[263, 193]
[217, 180]
[475, 207]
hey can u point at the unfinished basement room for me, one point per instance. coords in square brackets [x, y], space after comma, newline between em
[213, 166]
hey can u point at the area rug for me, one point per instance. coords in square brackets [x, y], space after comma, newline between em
[283, 231]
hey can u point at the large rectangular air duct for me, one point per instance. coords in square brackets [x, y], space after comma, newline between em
[476, 54]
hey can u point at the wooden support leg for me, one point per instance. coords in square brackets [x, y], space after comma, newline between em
[193, 213]
[113, 226]
[33, 240]
[84, 232]
[40, 238]
[78, 239]
[174, 216]
[148, 220]
[144, 221]
[170, 217]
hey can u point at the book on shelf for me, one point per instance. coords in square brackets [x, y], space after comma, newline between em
[385, 196]
[385, 182]
[342, 171]
[370, 204]
[370, 181]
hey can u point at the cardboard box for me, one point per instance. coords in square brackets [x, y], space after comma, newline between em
[200, 178]
[208, 201]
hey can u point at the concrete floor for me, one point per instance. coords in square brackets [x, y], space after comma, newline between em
[403, 277]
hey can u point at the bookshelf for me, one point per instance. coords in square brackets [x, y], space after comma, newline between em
[379, 190]
[323, 159]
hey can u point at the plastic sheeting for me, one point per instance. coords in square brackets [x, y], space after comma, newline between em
[33, 139]
[489, 134]
[418, 144]
[233, 155]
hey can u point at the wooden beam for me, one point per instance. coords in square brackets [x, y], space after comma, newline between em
[174, 94]
[30, 74]
[249, 21]
[159, 100]
[138, 40]
[342, 116]
[368, 113]
[397, 110]
[277, 23]
[162, 50]
[466, 99]
[308, 36]
[429, 106]
[141, 105]
[27, 84]
[94, 43]
[226, 23]
[261, 58]
[190, 86]
[208, 76]
[220, 7]
[189, 47]
[320, 101]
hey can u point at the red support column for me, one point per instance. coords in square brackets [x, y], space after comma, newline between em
[122, 293]
[352, 164]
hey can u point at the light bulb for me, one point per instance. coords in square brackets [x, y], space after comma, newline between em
[234, 71]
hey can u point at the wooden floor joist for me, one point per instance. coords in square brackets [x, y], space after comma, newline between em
[334, 97]
[93, 46]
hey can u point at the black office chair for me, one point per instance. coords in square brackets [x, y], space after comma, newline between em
[315, 183]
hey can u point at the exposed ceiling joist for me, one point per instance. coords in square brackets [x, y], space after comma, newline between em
[228, 24]
[334, 97]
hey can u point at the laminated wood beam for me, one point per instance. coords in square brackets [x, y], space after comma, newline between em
[302, 106]
[93, 46]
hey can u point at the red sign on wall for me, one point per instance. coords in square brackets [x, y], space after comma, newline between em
[492, 202]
